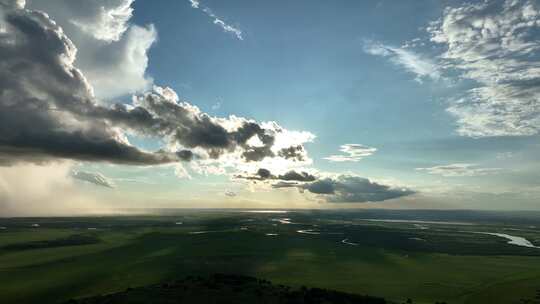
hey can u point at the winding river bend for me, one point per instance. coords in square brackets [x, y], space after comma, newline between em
[346, 241]
[513, 240]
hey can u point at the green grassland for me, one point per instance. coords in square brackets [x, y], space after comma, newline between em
[66, 258]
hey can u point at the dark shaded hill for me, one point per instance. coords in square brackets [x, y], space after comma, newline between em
[227, 289]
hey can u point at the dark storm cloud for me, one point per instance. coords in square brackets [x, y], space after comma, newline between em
[48, 110]
[182, 121]
[186, 125]
[44, 99]
[39, 145]
[348, 189]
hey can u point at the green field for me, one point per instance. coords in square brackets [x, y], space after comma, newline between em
[66, 258]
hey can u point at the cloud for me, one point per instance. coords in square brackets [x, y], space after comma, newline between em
[412, 62]
[194, 3]
[296, 176]
[112, 52]
[495, 44]
[348, 189]
[459, 170]
[264, 174]
[296, 153]
[353, 153]
[291, 175]
[249, 152]
[343, 188]
[216, 106]
[12, 4]
[181, 172]
[217, 20]
[48, 110]
[104, 20]
[94, 178]
[119, 68]
[505, 155]
[49, 113]
[185, 125]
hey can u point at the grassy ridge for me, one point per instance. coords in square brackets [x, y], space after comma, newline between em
[226, 289]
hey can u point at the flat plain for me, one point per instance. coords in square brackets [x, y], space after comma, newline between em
[427, 256]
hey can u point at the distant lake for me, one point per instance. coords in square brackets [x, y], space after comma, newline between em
[265, 211]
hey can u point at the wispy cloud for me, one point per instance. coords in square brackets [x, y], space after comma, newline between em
[412, 62]
[230, 193]
[95, 178]
[217, 20]
[181, 172]
[216, 106]
[459, 170]
[352, 152]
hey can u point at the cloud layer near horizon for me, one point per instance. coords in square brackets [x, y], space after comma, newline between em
[333, 188]
[347, 188]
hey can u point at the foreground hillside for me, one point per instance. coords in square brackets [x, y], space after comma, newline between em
[222, 288]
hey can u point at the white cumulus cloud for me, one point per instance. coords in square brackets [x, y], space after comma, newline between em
[112, 51]
[496, 45]
[459, 170]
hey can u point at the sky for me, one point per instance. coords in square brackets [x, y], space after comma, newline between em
[413, 104]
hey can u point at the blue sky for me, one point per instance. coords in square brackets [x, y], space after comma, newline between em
[395, 104]
[303, 72]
